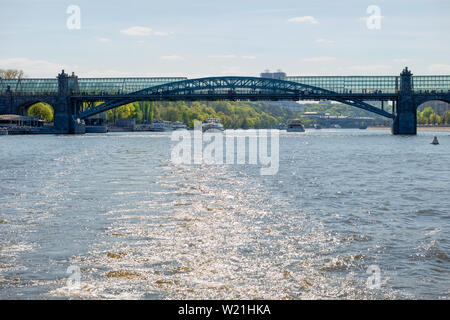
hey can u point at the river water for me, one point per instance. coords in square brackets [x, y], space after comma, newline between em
[351, 214]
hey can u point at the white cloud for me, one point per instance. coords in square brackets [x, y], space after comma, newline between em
[223, 56]
[440, 68]
[108, 73]
[402, 60]
[370, 68]
[373, 17]
[231, 56]
[160, 33]
[305, 19]
[35, 68]
[144, 32]
[319, 59]
[231, 70]
[137, 31]
[104, 40]
[172, 57]
[324, 41]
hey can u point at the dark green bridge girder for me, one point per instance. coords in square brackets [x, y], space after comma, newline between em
[229, 88]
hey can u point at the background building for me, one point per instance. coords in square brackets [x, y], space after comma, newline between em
[273, 75]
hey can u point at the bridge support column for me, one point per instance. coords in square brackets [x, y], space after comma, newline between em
[405, 121]
[7, 103]
[64, 119]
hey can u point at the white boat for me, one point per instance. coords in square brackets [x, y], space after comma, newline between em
[212, 124]
[295, 126]
[177, 125]
[161, 126]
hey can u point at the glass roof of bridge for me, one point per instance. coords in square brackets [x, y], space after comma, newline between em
[86, 85]
[351, 84]
[340, 84]
[431, 83]
[30, 85]
[372, 84]
[121, 85]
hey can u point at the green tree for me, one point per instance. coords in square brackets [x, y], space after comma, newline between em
[42, 111]
[427, 112]
[446, 119]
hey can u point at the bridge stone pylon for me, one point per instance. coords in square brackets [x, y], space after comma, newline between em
[405, 121]
[64, 117]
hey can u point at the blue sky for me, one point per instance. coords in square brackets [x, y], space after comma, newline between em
[203, 38]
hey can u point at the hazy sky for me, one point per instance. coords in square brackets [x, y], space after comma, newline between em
[196, 38]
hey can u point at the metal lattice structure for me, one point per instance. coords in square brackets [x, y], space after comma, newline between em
[338, 84]
[229, 88]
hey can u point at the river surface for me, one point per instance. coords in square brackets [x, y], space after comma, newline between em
[351, 214]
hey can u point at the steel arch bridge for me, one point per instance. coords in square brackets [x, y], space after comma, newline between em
[74, 99]
[224, 88]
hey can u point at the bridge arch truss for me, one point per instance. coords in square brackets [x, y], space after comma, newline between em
[226, 88]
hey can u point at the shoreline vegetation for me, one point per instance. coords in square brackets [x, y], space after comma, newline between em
[260, 114]
[243, 115]
[232, 114]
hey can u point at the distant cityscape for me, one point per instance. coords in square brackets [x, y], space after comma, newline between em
[273, 75]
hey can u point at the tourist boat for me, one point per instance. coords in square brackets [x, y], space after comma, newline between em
[212, 124]
[177, 125]
[281, 126]
[161, 126]
[295, 126]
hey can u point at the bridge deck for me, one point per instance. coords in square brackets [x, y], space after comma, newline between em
[340, 84]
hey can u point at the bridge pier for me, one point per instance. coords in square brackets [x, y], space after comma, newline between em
[65, 119]
[65, 122]
[405, 121]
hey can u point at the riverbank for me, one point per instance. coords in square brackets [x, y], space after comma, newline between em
[423, 129]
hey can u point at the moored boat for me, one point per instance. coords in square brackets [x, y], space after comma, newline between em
[212, 124]
[177, 125]
[161, 126]
[295, 126]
